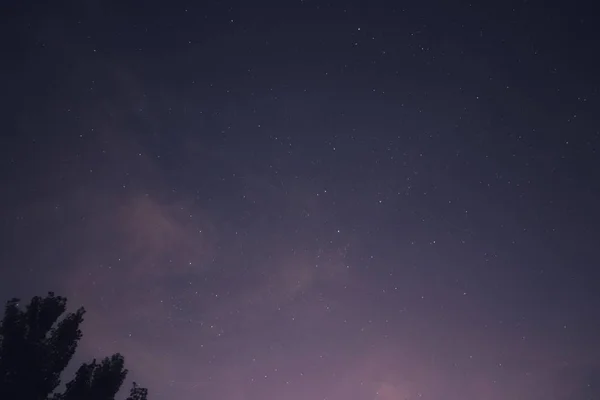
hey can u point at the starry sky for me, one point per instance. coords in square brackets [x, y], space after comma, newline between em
[311, 200]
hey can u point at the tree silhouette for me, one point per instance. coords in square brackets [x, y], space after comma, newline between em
[137, 393]
[36, 347]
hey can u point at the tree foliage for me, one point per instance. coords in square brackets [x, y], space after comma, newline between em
[36, 346]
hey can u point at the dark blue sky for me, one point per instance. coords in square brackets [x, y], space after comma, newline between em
[311, 200]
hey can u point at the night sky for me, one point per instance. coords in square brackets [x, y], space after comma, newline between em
[311, 200]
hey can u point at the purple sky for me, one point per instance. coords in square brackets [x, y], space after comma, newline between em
[316, 201]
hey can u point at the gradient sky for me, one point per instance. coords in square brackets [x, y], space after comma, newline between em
[307, 200]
